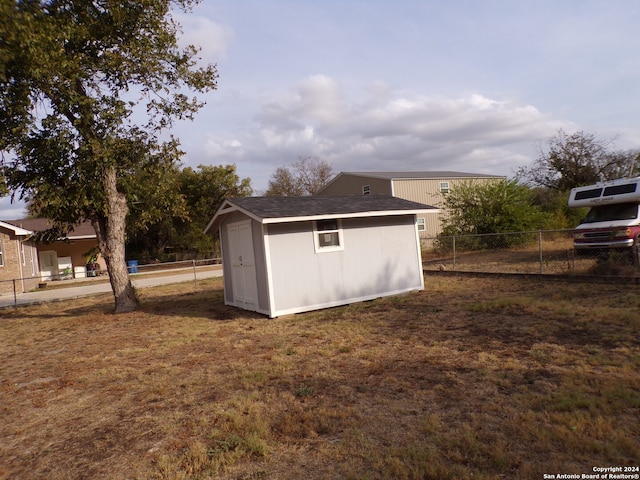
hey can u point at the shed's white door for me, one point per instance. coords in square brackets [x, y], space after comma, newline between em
[243, 268]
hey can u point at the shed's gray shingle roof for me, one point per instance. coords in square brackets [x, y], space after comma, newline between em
[283, 207]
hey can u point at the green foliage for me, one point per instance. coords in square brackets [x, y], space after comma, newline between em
[205, 189]
[72, 75]
[177, 219]
[554, 204]
[4, 190]
[489, 208]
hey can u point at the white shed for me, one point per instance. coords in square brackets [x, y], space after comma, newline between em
[284, 255]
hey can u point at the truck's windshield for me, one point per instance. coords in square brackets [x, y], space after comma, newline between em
[607, 213]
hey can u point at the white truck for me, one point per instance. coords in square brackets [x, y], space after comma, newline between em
[613, 221]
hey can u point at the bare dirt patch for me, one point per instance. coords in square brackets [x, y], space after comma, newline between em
[483, 378]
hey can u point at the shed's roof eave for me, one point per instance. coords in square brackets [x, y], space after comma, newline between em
[375, 213]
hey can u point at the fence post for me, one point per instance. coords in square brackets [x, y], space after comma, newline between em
[540, 248]
[195, 280]
[15, 296]
[454, 252]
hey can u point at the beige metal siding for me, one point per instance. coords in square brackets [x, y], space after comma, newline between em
[431, 224]
[427, 191]
[346, 184]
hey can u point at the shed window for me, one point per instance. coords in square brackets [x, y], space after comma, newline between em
[328, 235]
[444, 187]
[366, 189]
[421, 226]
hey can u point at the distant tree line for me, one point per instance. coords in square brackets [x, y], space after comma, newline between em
[167, 218]
[167, 215]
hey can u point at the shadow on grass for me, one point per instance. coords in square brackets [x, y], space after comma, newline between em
[200, 304]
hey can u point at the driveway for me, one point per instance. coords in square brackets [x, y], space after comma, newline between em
[88, 289]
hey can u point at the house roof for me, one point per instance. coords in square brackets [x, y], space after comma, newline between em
[82, 231]
[404, 175]
[429, 175]
[18, 231]
[296, 209]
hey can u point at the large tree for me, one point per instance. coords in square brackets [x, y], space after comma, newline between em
[304, 177]
[576, 159]
[86, 88]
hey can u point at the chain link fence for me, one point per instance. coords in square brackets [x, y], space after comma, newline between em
[16, 286]
[537, 252]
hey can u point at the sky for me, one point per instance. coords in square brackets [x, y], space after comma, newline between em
[378, 85]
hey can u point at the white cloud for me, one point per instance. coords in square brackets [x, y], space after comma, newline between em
[418, 85]
[12, 210]
[392, 130]
[211, 37]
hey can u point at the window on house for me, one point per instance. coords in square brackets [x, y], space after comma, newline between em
[421, 225]
[1, 254]
[328, 235]
[444, 187]
[366, 190]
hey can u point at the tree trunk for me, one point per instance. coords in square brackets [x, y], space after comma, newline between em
[111, 242]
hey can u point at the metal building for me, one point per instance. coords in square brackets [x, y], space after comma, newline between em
[428, 187]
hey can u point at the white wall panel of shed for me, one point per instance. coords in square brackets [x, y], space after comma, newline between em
[380, 257]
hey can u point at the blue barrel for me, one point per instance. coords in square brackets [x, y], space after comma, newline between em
[132, 266]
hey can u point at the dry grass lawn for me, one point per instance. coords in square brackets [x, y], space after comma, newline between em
[471, 378]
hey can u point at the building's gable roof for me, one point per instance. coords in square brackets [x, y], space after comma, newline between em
[403, 175]
[294, 209]
[82, 231]
[18, 231]
[424, 175]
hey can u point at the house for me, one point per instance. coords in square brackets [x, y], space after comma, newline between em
[66, 257]
[284, 255]
[19, 271]
[422, 187]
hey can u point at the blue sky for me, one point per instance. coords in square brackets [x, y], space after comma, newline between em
[467, 85]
